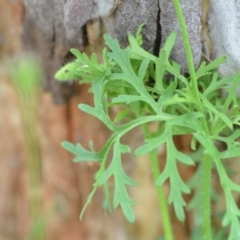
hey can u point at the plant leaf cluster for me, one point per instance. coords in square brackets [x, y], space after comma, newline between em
[148, 88]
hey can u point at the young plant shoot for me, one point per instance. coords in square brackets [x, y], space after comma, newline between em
[186, 105]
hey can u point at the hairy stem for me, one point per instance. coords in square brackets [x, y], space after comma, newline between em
[206, 197]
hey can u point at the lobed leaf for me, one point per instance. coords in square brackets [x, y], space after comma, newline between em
[81, 153]
[204, 69]
[121, 179]
[177, 186]
[68, 72]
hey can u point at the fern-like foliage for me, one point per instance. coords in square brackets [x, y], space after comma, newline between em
[122, 79]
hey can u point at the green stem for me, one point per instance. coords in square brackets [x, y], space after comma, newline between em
[167, 226]
[187, 46]
[206, 205]
[164, 212]
[207, 161]
[190, 62]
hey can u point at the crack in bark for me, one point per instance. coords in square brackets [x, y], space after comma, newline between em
[53, 41]
[157, 42]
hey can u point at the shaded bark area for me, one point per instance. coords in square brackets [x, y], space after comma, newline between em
[14, 220]
[45, 34]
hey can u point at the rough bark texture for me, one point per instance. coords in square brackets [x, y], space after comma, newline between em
[44, 32]
[130, 14]
[169, 23]
[224, 26]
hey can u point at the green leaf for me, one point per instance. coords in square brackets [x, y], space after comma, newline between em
[136, 51]
[167, 95]
[139, 34]
[127, 99]
[160, 70]
[91, 64]
[177, 186]
[122, 58]
[121, 179]
[143, 69]
[203, 69]
[169, 44]
[85, 68]
[189, 120]
[232, 93]
[230, 139]
[68, 72]
[152, 144]
[213, 109]
[231, 216]
[232, 151]
[89, 199]
[81, 153]
[128, 212]
[208, 144]
[99, 109]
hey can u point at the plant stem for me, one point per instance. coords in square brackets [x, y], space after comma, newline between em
[167, 226]
[206, 197]
[189, 57]
[187, 47]
[207, 161]
[164, 212]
